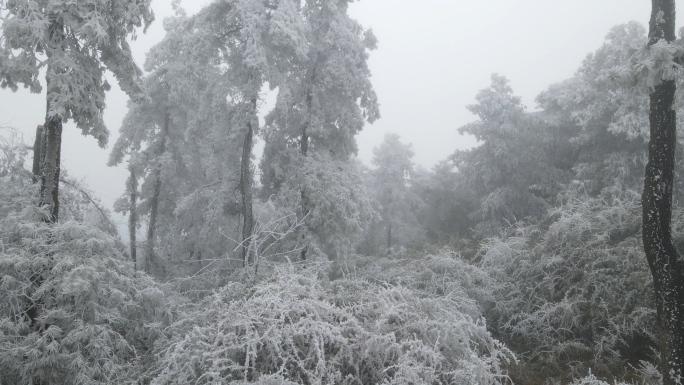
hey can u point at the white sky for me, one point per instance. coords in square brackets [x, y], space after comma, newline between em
[432, 58]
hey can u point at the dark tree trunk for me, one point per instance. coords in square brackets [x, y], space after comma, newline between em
[51, 148]
[37, 150]
[246, 192]
[304, 150]
[154, 202]
[304, 141]
[664, 261]
[50, 166]
[133, 216]
[388, 217]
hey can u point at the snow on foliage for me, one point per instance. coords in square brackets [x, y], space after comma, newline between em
[71, 310]
[297, 323]
[339, 207]
[80, 40]
[574, 291]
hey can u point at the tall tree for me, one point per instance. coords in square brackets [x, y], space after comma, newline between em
[601, 127]
[311, 134]
[208, 72]
[78, 40]
[665, 262]
[178, 130]
[392, 178]
[512, 170]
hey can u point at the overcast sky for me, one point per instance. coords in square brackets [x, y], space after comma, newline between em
[432, 58]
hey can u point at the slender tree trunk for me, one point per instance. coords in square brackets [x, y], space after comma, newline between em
[304, 140]
[50, 166]
[51, 147]
[667, 266]
[388, 218]
[37, 150]
[246, 190]
[304, 150]
[133, 216]
[154, 202]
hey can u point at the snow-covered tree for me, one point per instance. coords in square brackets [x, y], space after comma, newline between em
[177, 140]
[73, 42]
[572, 290]
[72, 310]
[605, 124]
[513, 170]
[391, 186]
[320, 108]
[449, 201]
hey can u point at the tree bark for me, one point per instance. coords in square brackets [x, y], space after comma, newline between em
[666, 265]
[246, 191]
[51, 147]
[154, 202]
[304, 150]
[388, 217]
[50, 166]
[37, 150]
[133, 216]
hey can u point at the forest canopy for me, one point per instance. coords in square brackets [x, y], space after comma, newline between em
[520, 260]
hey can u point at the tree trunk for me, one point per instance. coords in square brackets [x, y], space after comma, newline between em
[664, 261]
[50, 166]
[37, 150]
[304, 150]
[133, 216]
[51, 147]
[388, 217]
[154, 202]
[246, 191]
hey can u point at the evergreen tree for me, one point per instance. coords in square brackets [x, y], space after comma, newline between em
[604, 124]
[513, 169]
[392, 181]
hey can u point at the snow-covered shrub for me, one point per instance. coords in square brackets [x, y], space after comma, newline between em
[575, 291]
[72, 311]
[589, 379]
[443, 273]
[296, 323]
[647, 374]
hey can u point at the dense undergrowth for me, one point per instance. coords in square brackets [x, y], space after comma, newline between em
[74, 311]
[566, 300]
